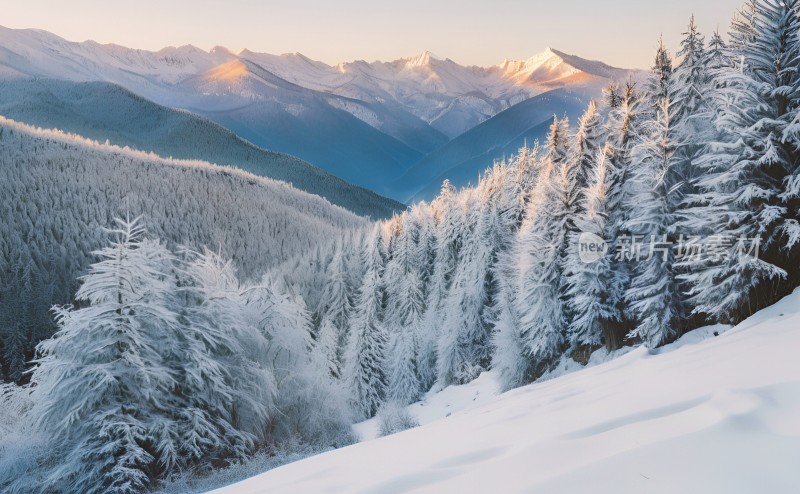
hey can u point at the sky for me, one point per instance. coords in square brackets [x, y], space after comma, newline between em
[623, 33]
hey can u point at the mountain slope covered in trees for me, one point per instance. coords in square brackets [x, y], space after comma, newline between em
[60, 191]
[104, 111]
[669, 203]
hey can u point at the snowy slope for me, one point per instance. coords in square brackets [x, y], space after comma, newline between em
[706, 414]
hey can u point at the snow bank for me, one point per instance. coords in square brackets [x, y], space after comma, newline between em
[706, 414]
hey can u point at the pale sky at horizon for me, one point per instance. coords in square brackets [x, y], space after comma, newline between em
[621, 32]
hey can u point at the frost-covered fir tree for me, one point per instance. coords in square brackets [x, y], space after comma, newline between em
[527, 167]
[426, 257]
[624, 123]
[450, 224]
[589, 141]
[403, 315]
[659, 82]
[463, 347]
[717, 62]
[691, 126]
[651, 294]
[509, 357]
[336, 305]
[588, 288]
[690, 81]
[225, 379]
[538, 304]
[691, 114]
[310, 405]
[102, 384]
[327, 344]
[364, 360]
[403, 386]
[748, 188]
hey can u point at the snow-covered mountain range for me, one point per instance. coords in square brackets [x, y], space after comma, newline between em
[369, 123]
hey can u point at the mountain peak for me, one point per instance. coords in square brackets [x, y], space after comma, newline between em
[421, 60]
[221, 50]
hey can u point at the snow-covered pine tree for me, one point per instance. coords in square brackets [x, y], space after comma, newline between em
[587, 292]
[538, 304]
[336, 304]
[226, 381]
[651, 294]
[612, 97]
[450, 223]
[102, 385]
[623, 124]
[689, 83]
[310, 405]
[403, 315]
[659, 83]
[510, 358]
[527, 166]
[327, 344]
[747, 189]
[463, 347]
[691, 126]
[426, 259]
[364, 360]
[717, 62]
[589, 142]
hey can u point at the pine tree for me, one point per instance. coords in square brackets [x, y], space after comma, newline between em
[102, 383]
[592, 305]
[659, 83]
[336, 303]
[463, 348]
[510, 357]
[227, 385]
[403, 383]
[690, 81]
[691, 126]
[542, 238]
[450, 225]
[364, 360]
[328, 345]
[431, 278]
[651, 295]
[745, 194]
[624, 124]
[589, 142]
[403, 317]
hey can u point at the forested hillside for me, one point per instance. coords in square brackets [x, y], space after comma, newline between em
[667, 205]
[60, 192]
[107, 112]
